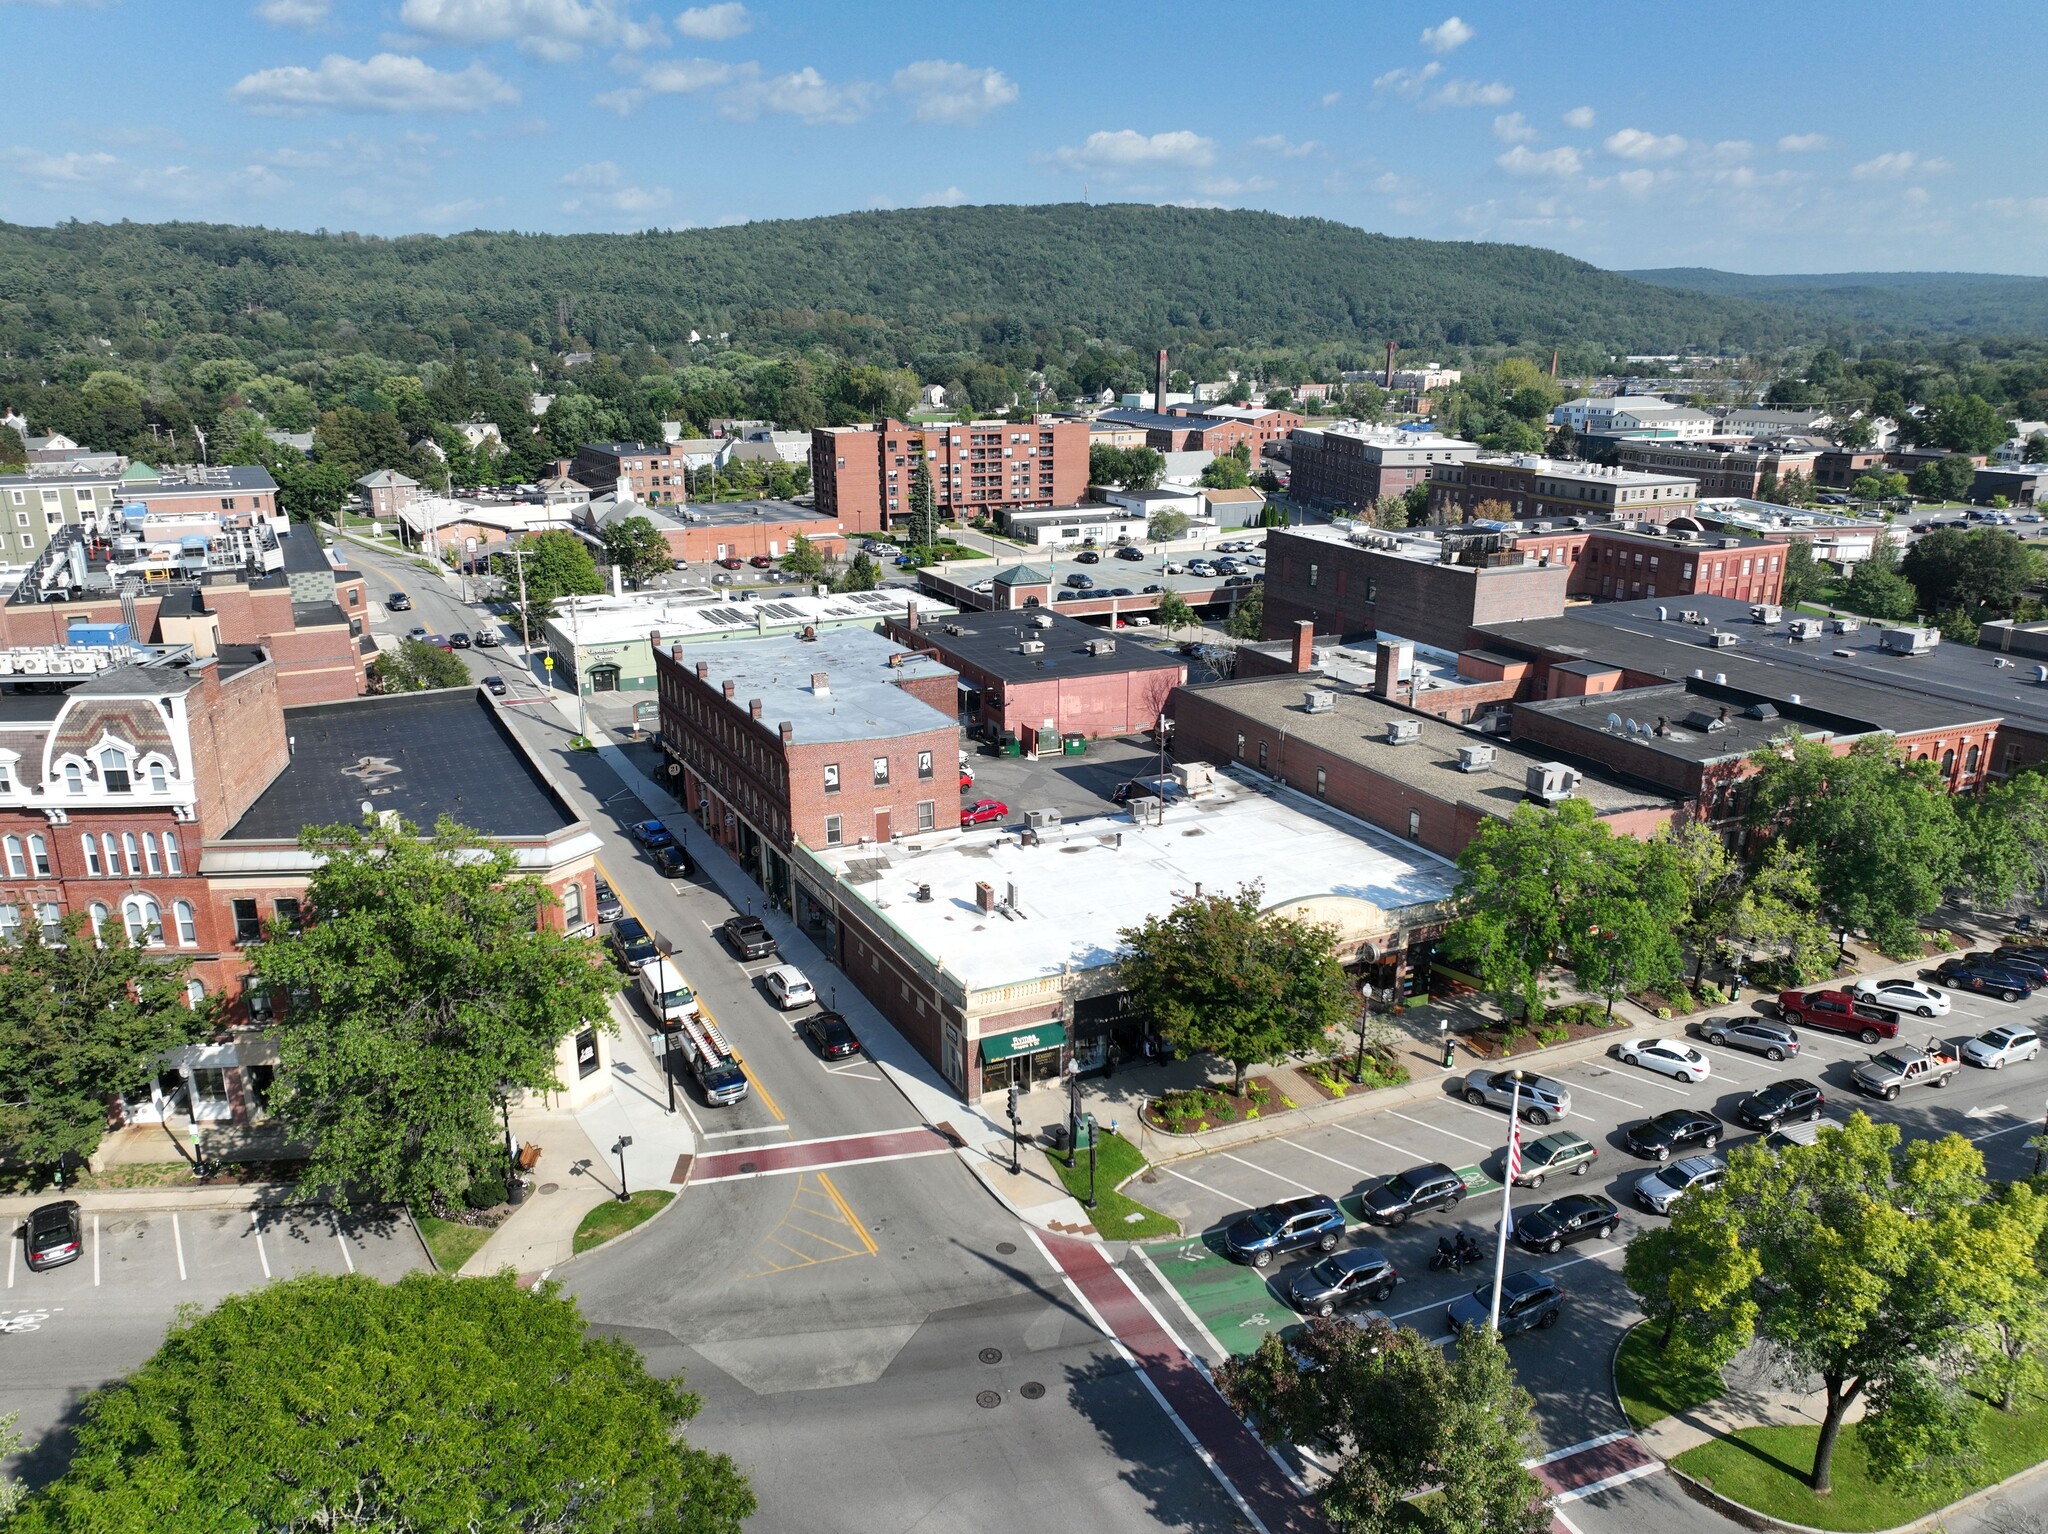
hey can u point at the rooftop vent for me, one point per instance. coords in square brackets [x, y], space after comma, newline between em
[1403, 732]
[1320, 700]
[1767, 612]
[1101, 647]
[1762, 711]
[1475, 758]
[1806, 628]
[1042, 820]
[1041, 620]
[1031, 647]
[1721, 639]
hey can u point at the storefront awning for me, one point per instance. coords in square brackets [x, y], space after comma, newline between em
[1025, 1041]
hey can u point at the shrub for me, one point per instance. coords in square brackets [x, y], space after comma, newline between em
[1192, 1109]
[1682, 1001]
[1943, 943]
[1711, 995]
[1552, 1033]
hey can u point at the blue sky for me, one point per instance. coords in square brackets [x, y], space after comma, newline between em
[1843, 135]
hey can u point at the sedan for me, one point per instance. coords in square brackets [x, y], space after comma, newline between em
[1912, 996]
[1667, 1057]
[1563, 1221]
[1759, 1035]
[830, 1035]
[458, 640]
[732, 564]
[982, 811]
[669, 860]
[1258, 1237]
[609, 906]
[1343, 1278]
[1087, 557]
[1130, 552]
[53, 1235]
[1526, 1300]
[1556, 1153]
[398, 602]
[1782, 1102]
[761, 562]
[631, 943]
[1542, 1099]
[417, 631]
[494, 685]
[1675, 1129]
[652, 833]
[1657, 1191]
[1416, 1191]
[2001, 1046]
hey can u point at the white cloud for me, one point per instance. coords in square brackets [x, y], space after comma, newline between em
[715, 23]
[294, 13]
[1804, 143]
[1524, 161]
[1904, 162]
[1231, 186]
[1126, 147]
[951, 197]
[1513, 129]
[81, 172]
[1578, 117]
[600, 188]
[554, 30]
[1406, 83]
[1447, 34]
[805, 94]
[384, 82]
[1471, 93]
[460, 210]
[1637, 181]
[1635, 144]
[953, 93]
[625, 100]
[1277, 143]
[1387, 183]
[1331, 98]
[683, 77]
[60, 170]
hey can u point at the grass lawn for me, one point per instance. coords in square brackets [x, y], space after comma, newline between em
[1115, 1159]
[1651, 1386]
[612, 1218]
[451, 1244]
[1765, 1468]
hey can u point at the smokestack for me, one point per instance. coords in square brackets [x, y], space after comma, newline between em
[1159, 383]
[1390, 364]
[1553, 362]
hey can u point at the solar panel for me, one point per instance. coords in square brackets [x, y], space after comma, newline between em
[721, 617]
[782, 612]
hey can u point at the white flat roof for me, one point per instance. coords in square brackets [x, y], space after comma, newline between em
[617, 620]
[1090, 878]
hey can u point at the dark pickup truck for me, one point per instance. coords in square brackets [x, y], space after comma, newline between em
[749, 937]
[1839, 1012]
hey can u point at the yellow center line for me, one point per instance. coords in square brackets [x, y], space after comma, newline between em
[847, 1213]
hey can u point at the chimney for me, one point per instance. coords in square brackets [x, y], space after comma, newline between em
[984, 896]
[703, 666]
[1159, 383]
[1390, 364]
[821, 684]
[1393, 664]
[753, 708]
[1553, 362]
[910, 617]
[787, 731]
[728, 690]
[1304, 647]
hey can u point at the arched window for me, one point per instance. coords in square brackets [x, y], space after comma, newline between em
[92, 853]
[113, 852]
[572, 906]
[10, 923]
[188, 928]
[171, 853]
[1948, 763]
[144, 919]
[74, 778]
[96, 917]
[157, 782]
[114, 771]
[156, 864]
[39, 853]
[131, 852]
[16, 868]
[1970, 762]
[195, 993]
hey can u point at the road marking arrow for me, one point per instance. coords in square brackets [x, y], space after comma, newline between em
[1985, 1113]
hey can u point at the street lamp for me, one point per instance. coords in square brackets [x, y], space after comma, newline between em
[505, 1117]
[619, 1150]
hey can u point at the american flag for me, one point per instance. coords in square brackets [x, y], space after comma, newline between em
[1514, 1151]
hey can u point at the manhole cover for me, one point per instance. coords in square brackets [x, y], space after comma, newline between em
[1007, 1248]
[990, 1355]
[551, 1187]
[747, 1166]
[988, 1399]
[1031, 1390]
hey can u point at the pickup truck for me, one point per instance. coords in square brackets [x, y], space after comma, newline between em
[1838, 1012]
[1886, 1075]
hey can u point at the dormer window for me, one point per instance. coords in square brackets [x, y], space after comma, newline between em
[114, 771]
[158, 782]
[74, 778]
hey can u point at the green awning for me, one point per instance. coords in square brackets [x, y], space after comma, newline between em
[1025, 1041]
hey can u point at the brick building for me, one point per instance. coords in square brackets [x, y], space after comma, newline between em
[708, 530]
[1206, 428]
[1838, 468]
[836, 740]
[1354, 465]
[861, 475]
[1719, 469]
[649, 472]
[386, 492]
[1528, 486]
[1611, 564]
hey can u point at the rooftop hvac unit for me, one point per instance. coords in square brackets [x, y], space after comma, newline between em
[1475, 758]
[1041, 620]
[1042, 820]
[1721, 639]
[1688, 615]
[1914, 641]
[1403, 732]
[1552, 781]
[1320, 700]
[1031, 647]
[1102, 647]
[1195, 777]
[1847, 626]
[1767, 613]
[1806, 628]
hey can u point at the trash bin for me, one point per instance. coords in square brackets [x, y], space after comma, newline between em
[1010, 746]
[1073, 745]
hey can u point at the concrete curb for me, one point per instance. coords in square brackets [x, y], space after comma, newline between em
[148, 1200]
[675, 1198]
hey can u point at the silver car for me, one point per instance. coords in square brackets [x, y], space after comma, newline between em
[1657, 1191]
[1543, 1100]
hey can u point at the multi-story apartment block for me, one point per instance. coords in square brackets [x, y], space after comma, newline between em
[1528, 486]
[649, 472]
[1743, 471]
[861, 475]
[1354, 465]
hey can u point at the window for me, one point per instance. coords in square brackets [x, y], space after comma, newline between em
[195, 993]
[1262, 756]
[74, 778]
[1970, 761]
[95, 918]
[1240, 743]
[144, 920]
[92, 853]
[927, 814]
[1322, 782]
[257, 998]
[16, 868]
[114, 771]
[171, 859]
[50, 917]
[831, 777]
[188, 926]
[572, 907]
[924, 764]
[131, 851]
[881, 771]
[288, 916]
[113, 851]
[6, 777]
[248, 923]
[156, 865]
[833, 834]
[1415, 825]
[1313, 573]
[157, 781]
[10, 923]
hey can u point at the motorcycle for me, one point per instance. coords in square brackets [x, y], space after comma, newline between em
[1456, 1253]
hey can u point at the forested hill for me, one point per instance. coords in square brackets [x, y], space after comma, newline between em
[1882, 305]
[883, 287]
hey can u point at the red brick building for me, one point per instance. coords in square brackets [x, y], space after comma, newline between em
[1527, 486]
[861, 475]
[1214, 429]
[1355, 466]
[1608, 564]
[1717, 469]
[708, 531]
[652, 473]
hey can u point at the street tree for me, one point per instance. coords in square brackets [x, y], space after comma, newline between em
[1709, 887]
[416, 666]
[2005, 840]
[861, 575]
[1965, 423]
[1173, 611]
[1627, 934]
[1806, 578]
[1881, 831]
[924, 515]
[557, 564]
[431, 1404]
[1229, 471]
[635, 547]
[425, 987]
[2037, 448]
[1166, 526]
[1878, 485]
[1397, 1418]
[1946, 479]
[1248, 616]
[803, 559]
[1982, 570]
[82, 1021]
[1218, 975]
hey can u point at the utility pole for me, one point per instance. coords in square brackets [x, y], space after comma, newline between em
[518, 557]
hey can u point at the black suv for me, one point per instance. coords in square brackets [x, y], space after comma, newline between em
[749, 937]
[631, 943]
[1781, 1102]
[1415, 1191]
[1674, 1130]
[1759, 1035]
[669, 860]
[1259, 1237]
[1526, 1299]
[1344, 1278]
[1562, 1221]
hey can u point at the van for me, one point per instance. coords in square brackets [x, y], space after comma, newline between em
[667, 996]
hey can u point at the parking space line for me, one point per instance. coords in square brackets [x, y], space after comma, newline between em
[1169, 1171]
[1425, 1124]
[1276, 1176]
[1612, 1098]
[178, 1236]
[1382, 1144]
[347, 1258]
[1649, 1079]
[256, 1230]
[1291, 1145]
[1569, 1262]
[1721, 1052]
[95, 1251]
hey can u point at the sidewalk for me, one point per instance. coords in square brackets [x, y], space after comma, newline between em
[1752, 1399]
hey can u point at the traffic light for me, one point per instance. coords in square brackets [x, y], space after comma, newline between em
[1013, 1102]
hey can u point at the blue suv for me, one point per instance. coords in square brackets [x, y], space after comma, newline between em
[1977, 974]
[1287, 1226]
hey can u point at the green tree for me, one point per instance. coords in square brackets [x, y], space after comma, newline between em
[1965, 423]
[2037, 448]
[81, 1022]
[1983, 569]
[924, 516]
[1143, 468]
[1881, 830]
[1855, 432]
[424, 987]
[1875, 587]
[2004, 830]
[13, 451]
[1878, 485]
[434, 1403]
[1417, 499]
[1778, 916]
[1632, 921]
[416, 666]
[1248, 616]
[357, 441]
[803, 559]
[1217, 975]
[1174, 612]
[635, 546]
[1709, 882]
[1396, 1418]
[12, 1491]
[1806, 579]
[557, 564]
[1946, 479]
[1166, 526]
[1226, 473]
[310, 491]
[862, 575]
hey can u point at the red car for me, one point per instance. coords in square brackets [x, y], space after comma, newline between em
[983, 810]
[760, 561]
[1838, 1012]
[966, 780]
[731, 564]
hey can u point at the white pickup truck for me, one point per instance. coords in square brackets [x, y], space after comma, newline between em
[1886, 1075]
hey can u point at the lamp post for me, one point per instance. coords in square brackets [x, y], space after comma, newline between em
[505, 1117]
[619, 1150]
[1507, 1192]
[1091, 1162]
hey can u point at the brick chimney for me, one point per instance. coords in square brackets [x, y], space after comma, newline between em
[1304, 647]
[753, 708]
[728, 689]
[703, 666]
[821, 684]
[787, 731]
[910, 616]
[1159, 383]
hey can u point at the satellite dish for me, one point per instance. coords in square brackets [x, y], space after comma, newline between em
[1614, 721]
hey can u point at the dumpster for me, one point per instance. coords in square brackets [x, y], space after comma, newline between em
[1073, 745]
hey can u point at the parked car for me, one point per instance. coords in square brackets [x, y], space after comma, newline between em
[789, 988]
[609, 906]
[982, 811]
[1560, 1151]
[749, 937]
[1419, 1190]
[1890, 1073]
[1758, 1035]
[669, 860]
[966, 779]
[761, 562]
[1087, 557]
[417, 631]
[1780, 1103]
[1838, 1012]
[1901, 995]
[1657, 1191]
[1974, 974]
[2002, 1046]
[494, 685]
[398, 602]
[1080, 582]
[485, 639]
[1130, 551]
[458, 640]
[1676, 1129]
[1542, 1099]
[1527, 1300]
[1667, 1057]
[1343, 1278]
[1563, 1221]
[652, 833]
[1293, 1223]
[831, 1035]
[53, 1235]
[631, 943]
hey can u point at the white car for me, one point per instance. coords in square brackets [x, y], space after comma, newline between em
[1667, 1057]
[788, 988]
[984, 587]
[1902, 996]
[2002, 1046]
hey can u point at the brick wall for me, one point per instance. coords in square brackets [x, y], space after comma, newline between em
[746, 539]
[238, 742]
[864, 807]
[1346, 589]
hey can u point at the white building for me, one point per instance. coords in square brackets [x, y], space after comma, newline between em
[1063, 526]
[1633, 414]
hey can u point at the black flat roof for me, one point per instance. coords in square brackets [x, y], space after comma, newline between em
[988, 642]
[421, 755]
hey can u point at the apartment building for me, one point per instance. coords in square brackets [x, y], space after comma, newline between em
[1351, 464]
[649, 472]
[861, 475]
[1525, 486]
[1739, 470]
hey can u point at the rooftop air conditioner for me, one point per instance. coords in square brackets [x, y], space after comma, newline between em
[1475, 758]
[1102, 647]
[1320, 700]
[1041, 620]
[1552, 781]
[1721, 639]
[1767, 613]
[1042, 820]
[1031, 647]
[1403, 732]
[1807, 628]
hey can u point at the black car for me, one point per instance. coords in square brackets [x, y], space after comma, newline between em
[830, 1035]
[1526, 1299]
[458, 640]
[631, 943]
[1293, 1223]
[1562, 1221]
[1343, 1278]
[1782, 1102]
[609, 906]
[1088, 557]
[1674, 1130]
[1080, 582]
[1759, 1035]
[2019, 961]
[1415, 1191]
[1130, 551]
[494, 685]
[53, 1235]
[670, 861]
[749, 936]
[399, 602]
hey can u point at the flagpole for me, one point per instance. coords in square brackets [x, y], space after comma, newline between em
[1509, 1167]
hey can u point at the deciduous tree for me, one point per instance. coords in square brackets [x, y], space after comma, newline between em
[1982, 570]
[1249, 615]
[862, 575]
[1876, 589]
[803, 559]
[416, 666]
[557, 564]
[1173, 611]
[635, 545]
[1806, 579]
